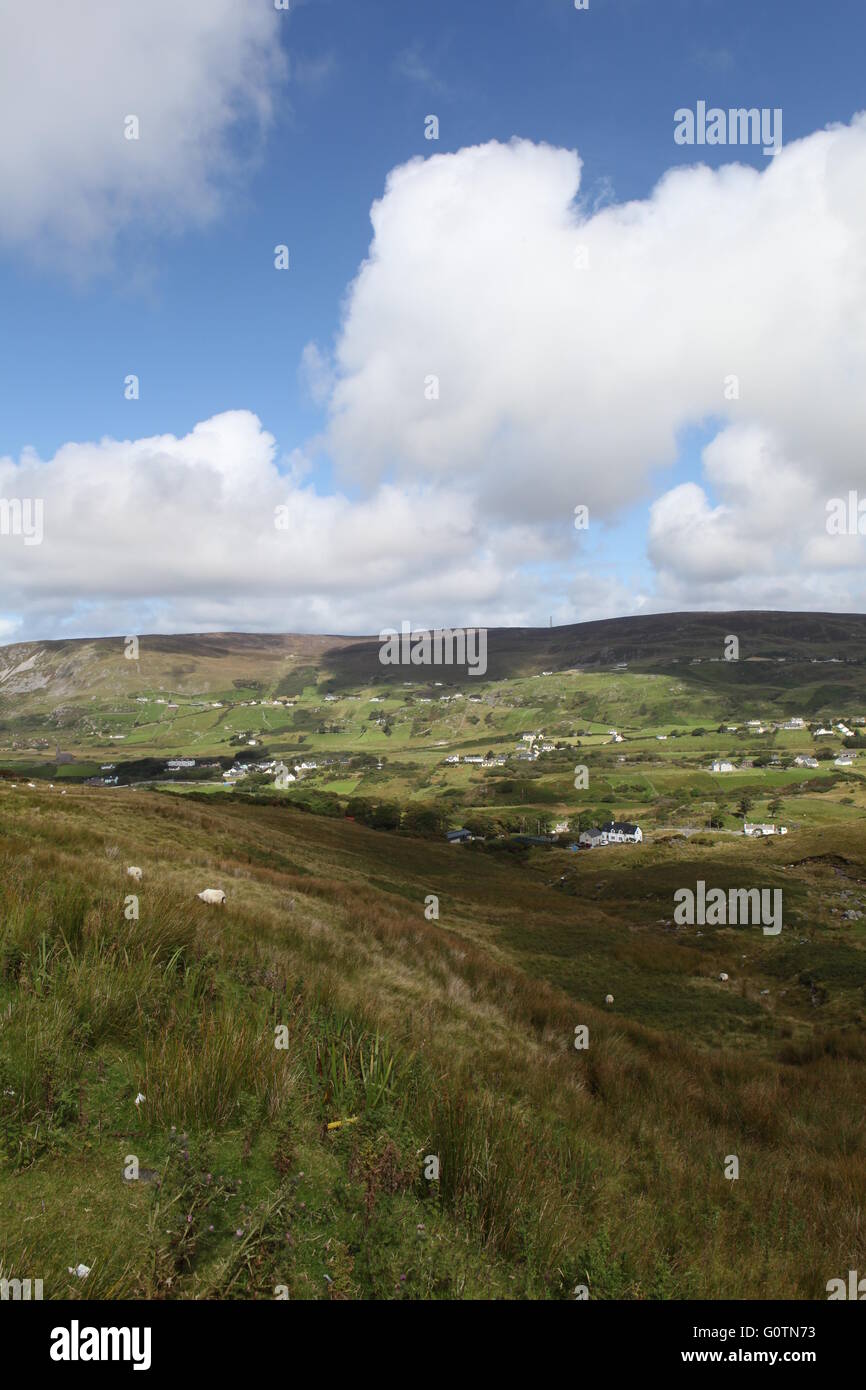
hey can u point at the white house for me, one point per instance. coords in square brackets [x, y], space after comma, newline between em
[794, 724]
[750, 828]
[620, 832]
[843, 729]
[721, 766]
[803, 761]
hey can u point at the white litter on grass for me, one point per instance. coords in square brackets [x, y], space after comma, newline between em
[81, 1271]
[140, 1097]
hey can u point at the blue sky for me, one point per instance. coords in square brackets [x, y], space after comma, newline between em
[198, 312]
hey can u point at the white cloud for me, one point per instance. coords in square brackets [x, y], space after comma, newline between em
[559, 384]
[180, 533]
[195, 74]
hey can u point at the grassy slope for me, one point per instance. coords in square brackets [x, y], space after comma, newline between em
[558, 1166]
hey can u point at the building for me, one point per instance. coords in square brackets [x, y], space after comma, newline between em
[844, 760]
[721, 766]
[458, 837]
[750, 828]
[621, 832]
[803, 761]
[589, 839]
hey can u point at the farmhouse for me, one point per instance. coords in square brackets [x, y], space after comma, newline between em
[721, 766]
[794, 724]
[588, 839]
[750, 828]
[620, 832]
[803, 761]
[458, 837]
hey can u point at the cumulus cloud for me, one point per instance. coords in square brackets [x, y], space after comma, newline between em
[214, 530]
[764, 542]
[196, 75]
[508, 351]
[572, 347]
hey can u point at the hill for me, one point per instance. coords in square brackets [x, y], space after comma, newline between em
[35, 673]
[149, 1040]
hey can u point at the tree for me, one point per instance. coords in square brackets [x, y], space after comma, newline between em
[422, 819]
[744, 805]
[386, 816]
[477, 826]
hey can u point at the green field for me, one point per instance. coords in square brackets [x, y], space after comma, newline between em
[428, 994]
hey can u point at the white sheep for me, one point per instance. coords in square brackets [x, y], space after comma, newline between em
[212, 895]
[723, 977]
[608, 999]
[134, 872]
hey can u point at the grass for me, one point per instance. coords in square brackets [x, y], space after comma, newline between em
[451, 1039]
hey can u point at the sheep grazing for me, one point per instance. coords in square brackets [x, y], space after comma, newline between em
[134, 872]
[608, 999]
[723, 977]
[212, 895]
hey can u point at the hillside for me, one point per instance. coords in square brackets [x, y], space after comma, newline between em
[418, 1036]
[33, 674]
